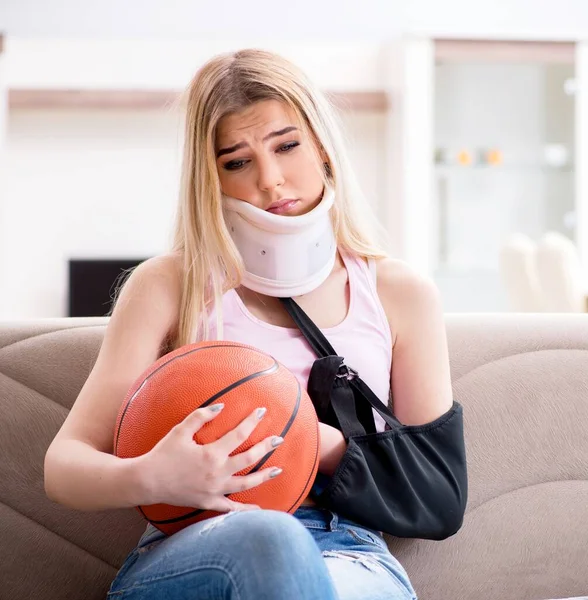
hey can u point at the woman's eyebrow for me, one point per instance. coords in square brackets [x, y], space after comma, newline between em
[269, 136]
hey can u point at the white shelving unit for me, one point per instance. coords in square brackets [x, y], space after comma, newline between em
[514, 97]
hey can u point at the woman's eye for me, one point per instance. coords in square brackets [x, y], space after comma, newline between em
[287, 147]
[233, 165]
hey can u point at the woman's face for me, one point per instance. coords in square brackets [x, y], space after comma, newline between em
[264, 158]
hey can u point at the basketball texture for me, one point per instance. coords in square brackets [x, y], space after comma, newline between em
[243, 378]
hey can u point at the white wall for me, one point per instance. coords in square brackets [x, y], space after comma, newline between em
[104, 184]
[201, 18]
[81, 185]
[374, 20]
[171, 64]
[516, 19]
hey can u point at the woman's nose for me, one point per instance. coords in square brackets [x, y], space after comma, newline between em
[270, 175]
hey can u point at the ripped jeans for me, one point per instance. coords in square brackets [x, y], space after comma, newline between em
[264, 555]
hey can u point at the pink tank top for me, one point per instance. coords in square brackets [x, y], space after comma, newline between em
[363, 338]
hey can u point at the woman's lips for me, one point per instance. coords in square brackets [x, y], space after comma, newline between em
[282, 207]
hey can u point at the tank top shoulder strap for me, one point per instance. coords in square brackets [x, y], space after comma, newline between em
[372, 269]
[364, 269]
[364, 282]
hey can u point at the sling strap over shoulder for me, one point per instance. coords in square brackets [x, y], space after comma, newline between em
[407, 481]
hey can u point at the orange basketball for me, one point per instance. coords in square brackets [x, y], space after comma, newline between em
[243, 378]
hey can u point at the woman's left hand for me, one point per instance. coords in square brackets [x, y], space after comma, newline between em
[332, 448]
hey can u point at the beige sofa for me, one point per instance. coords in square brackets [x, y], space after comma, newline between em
[523, 381]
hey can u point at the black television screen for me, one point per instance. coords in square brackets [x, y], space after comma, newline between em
[93, 283]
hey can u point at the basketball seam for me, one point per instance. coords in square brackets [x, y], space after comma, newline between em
[316, 456]
[287, 427]
[218, 394]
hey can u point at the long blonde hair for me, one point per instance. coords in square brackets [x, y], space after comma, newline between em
[227, 84]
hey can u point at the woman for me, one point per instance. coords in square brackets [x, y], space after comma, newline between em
[262, 143]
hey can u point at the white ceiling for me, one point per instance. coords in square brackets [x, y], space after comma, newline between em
[293, 19]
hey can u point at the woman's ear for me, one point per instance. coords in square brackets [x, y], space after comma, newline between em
[326, 164]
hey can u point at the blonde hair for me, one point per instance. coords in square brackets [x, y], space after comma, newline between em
[225, 85]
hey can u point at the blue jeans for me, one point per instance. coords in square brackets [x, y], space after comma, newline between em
[263, 555]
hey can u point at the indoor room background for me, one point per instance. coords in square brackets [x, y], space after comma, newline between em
[467, 127]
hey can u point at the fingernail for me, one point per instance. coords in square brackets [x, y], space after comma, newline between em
[261, 412]
[217, 407]
[277, 441]
[275, 472]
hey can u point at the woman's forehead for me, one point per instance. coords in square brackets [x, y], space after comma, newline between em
[256, 120]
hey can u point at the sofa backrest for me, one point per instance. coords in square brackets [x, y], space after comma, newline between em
[523, 382]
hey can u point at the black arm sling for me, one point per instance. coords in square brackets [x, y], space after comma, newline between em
[407, 481]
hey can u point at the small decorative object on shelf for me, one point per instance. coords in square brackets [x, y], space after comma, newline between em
[467, 158]
[494, 157]
[441, 156]
[464, 158]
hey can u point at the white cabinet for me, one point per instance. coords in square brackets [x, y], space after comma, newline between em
[506, 138]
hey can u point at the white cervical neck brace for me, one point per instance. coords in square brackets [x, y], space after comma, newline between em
[284, 256]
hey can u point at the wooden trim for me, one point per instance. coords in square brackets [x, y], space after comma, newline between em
[91, 99]
[359, 101]
[157, 99]
[1, 43]
[468, 51]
